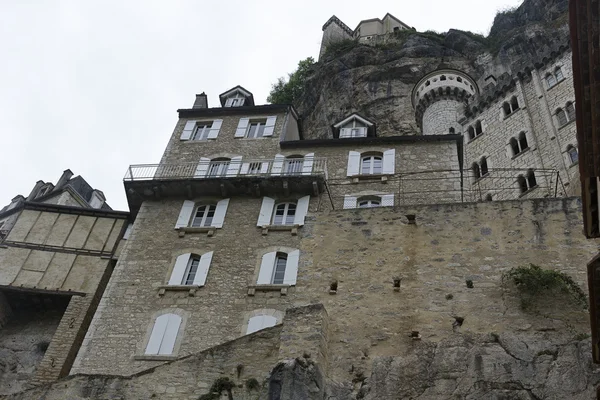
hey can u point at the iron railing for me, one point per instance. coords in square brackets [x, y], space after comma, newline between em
[228, 169]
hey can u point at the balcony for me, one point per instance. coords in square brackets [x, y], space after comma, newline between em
[224, 178]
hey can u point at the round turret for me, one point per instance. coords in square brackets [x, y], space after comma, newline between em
[437, 100]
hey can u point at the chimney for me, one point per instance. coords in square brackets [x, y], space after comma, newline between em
[67, 174]
[35, 190]
[201, 101]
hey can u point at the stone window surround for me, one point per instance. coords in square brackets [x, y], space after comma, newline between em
[164, 287]
[263, 311]
[141, 347]
[258, 255]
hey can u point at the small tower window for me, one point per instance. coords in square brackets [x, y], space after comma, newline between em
[561, 117]
[483, 166]
[478, 128]
[476, 170]
[558, 74]
[573, 155]
[570, 108]
[523, 141]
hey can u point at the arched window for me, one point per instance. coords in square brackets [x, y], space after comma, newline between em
[514, 146]
[478, 128]
[458, 79]
[561, 117]
[218, 167]
[368, 202]
[443, 78]
[531, 182]
[476, 170]
[506, 108]
[558, 74]
[371, 165]
[514, 104]
[522, 183]
[483, 166]
[203, 216]
[164, 334]
[451, 131]
[570, 111]
[278, 268]
[471, 132]
[427, 83]
[293, 165]
[258, 322]
[523, 141]
[550, 80]
[573, 155]
[284, 214]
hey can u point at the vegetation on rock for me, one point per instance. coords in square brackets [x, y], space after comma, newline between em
[532, 281]
[290, 91]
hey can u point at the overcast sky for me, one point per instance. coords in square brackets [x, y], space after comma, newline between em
[94, 85]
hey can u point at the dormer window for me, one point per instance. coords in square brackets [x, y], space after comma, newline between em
[235, 101]
[354, 126]
[236, 97]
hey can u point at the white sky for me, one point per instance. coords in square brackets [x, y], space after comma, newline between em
[94, 85]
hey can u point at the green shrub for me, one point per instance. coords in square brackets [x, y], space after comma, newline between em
[533, 281]
[290, 91]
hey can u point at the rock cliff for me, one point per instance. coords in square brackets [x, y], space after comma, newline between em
[376, 80]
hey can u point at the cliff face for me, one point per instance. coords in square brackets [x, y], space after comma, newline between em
[377, 80]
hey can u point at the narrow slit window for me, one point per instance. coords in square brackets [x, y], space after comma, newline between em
[279, 269]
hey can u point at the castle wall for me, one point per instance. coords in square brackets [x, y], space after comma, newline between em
[364, 250]
[332, 33]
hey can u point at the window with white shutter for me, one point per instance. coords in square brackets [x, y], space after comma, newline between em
[389, 161]
[278, 164]
[240, 132]
[214, 129]
[307, 166]
[270, 126]
[266, 210]
[185, 214]
[301, 210]
[353, 163]
[349, 202]
[164, 335]
[234, 166]
[191, 269]
[279, 268]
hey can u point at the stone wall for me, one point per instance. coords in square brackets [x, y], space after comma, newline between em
[440, 116]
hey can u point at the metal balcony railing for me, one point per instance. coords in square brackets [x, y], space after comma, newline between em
[207, 169]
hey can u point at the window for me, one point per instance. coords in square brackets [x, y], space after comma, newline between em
[561, 117]
[258, 322]
[570, 111]
[368, 202]
[559, 74]
[483, 166]
[396, 29]
[573, 155]
[526, 182]
[478, 128]
[203, 216]
[371, 165]
[194, 215]
[354, 128]
[550, 80]
[451, 131]
[191, 269]
[458, 79]
[164, 334]
[476, 170]
[553, 79]
[201, 130]
[236, 100]
[473, 132]
[293, 165]
[218, 167]
[285, 214]
[510, 107]
[255, 128]
[279, 268]
[518, 145]
[488, 197]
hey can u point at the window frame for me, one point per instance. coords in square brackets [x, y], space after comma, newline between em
[372, 158]
[259, 133]
[206, 128]
[286, 213]
[292, 165]
[221, 163]
[191, 270]
[279, 267]
[372, 202]
[572, 150]
[208, 208]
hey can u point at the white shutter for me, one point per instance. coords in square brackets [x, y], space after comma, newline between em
[234, 166]
[255, 324]
[220, 212]
[387, 200]
[389, 161]
[202, 167]
[214, 129]
[270, 126]
[345, 133]
[307, 165]
[158, 332]
[266, 211]
[349, 202]
[241, 128]
[245, 168]
[203, 266]
[228, 102]
[301, 210]
[291, 268]
[277, 164]
[264, 167]
[353, 163]
[170, 336]
[185, 214]
[179, 269]
[188, 130]
[266, 269]
[362, 132]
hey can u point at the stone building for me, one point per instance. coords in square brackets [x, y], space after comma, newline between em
[57, 251]
[356, 247]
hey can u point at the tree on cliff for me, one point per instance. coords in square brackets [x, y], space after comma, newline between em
[291, 91]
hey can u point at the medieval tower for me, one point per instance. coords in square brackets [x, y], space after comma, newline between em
[356, 245]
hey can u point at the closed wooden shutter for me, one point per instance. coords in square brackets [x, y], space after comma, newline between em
[240, 132]
[188, 130]
[214, 129]
[203, 267]
[291, 268]
[202, 168]
[387, 200]
[307, 165]
[181, 264]
[168, 341]
[266, 268]
[158, 332]
[301, 210]
[353, 163]
[349, 202]
[220, 212]
[389, 161]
